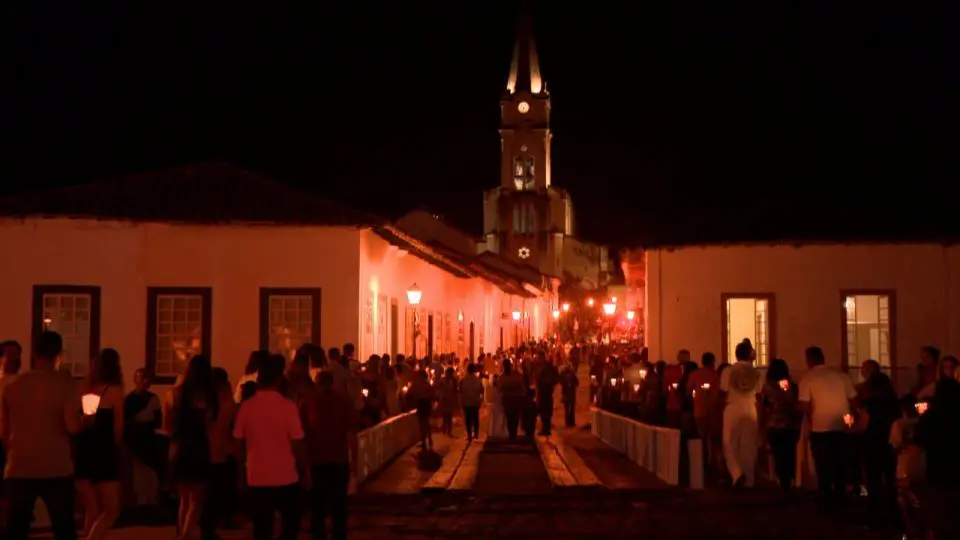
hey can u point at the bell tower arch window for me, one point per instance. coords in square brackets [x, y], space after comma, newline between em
[523, 172]
[524, 218]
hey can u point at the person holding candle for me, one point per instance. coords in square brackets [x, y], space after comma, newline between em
[780, 421]
[826, 396]
[704, 387]
[97, 445]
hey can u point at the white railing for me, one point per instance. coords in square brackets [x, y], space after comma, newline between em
[379, 444]
[656, 449]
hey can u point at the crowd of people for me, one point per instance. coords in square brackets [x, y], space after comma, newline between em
[223, 451]
[899, 451]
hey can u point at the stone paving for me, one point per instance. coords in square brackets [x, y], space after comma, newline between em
[670, 515]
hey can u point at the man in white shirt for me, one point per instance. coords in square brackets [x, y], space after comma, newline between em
[269, 426]
[826, 396]
[740, 384]
[471, 397]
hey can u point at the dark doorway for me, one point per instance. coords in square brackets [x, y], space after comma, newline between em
[472, 354]
[501, 338]
[430, 335]
[394, 316]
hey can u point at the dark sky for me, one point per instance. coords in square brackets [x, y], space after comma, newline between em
[660, 108]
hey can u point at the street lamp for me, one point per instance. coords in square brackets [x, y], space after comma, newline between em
[516, 328]
[565, 307]
[556, 314]
[631, 314]
[590, 302]
[414, 294]
[609, 308]
[516, 315]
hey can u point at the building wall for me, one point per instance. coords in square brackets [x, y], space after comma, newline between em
[684, 287]
[389, 272]
[123, 259]
[584, 261]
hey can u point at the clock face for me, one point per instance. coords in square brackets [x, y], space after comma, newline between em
[524, 252]
[523, 107]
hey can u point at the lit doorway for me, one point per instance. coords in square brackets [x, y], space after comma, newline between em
[868, 323]
[748, 316]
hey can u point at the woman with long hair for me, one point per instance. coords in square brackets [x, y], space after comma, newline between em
[98, 443]
[196, 407]
[780, 420]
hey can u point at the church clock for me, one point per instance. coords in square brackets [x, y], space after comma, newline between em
[523, 107]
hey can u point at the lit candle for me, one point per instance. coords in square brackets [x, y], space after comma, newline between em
[91, 402]
[921, 407]
[613, 381]
[705, 386]
[405, 388]
[643, 374]
[848, 420]
[675, 386]
[366, 392]
[694, 392]
[784, 385]
[636, 388]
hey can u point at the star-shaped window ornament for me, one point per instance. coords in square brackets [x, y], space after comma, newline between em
[524, 252]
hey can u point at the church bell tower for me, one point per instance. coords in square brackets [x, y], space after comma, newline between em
[524, 218]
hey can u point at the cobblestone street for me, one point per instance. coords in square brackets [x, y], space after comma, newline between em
[600, 513]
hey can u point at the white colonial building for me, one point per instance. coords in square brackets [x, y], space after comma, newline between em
[857, 301]
[213, 259]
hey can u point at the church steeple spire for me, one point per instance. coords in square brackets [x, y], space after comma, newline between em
[525, 66]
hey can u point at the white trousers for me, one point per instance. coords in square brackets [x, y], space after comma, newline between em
[740, 440]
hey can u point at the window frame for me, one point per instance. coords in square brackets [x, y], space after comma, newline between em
[206, 320]
[771, 299]
[316, 296]
[36, 326]
[891, 295]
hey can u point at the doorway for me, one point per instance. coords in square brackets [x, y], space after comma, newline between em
[430, 335]
[394, 316]
[472, 354]
[748, 316]
[869, 322]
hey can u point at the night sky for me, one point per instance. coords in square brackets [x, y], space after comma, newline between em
[661, 109]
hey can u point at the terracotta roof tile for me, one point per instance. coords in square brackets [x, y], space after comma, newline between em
[202, 193]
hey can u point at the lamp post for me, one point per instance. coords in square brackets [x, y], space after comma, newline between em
[414, 294]
[609, 309]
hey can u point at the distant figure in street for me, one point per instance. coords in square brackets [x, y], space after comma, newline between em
[512, 394]
[568, 391]
[422, 395]
[529, 414]
[547, 379]
[471, 397]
